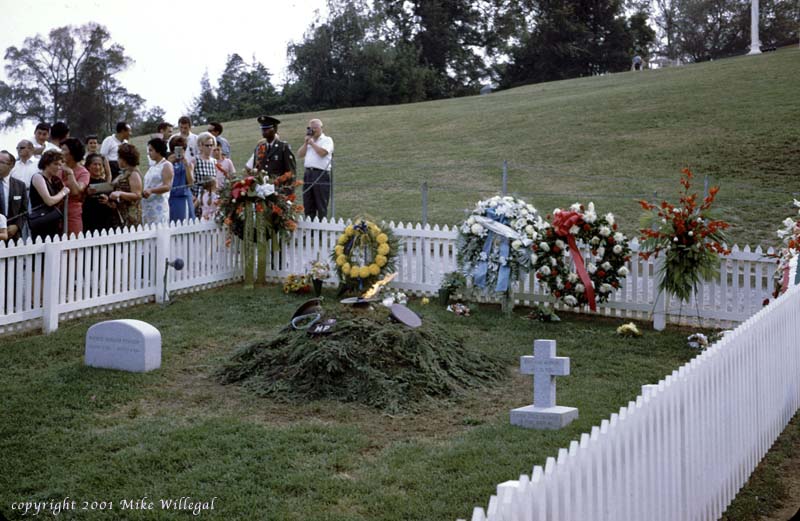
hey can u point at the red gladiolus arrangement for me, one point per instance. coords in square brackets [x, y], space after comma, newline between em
[690, 237]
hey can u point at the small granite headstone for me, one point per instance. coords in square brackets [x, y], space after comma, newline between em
[128, 345]
[544, 365]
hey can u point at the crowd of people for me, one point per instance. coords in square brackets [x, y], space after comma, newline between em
[59, 184]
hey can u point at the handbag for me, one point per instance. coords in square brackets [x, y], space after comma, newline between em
[43, 217]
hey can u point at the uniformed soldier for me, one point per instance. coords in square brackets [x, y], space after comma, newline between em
[273, 155]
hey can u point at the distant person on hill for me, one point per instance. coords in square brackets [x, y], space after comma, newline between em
[185, 126]
[216, 130]
[637, 63]
[317, 150]
[110, 146]
[273, 155]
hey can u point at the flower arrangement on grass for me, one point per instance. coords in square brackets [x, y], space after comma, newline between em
[364, 254]
[690, 237]
[790, 246]
[273, 206]
[320, 270]
[297, 284]
[629, 330]
[494, 242]
[560, 266]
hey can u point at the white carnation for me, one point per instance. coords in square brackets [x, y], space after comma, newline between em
[553, 261]
[560, 243]
[580, 288]
[477, 229]
[618, 237]
[572, 277]
[605, 231]
[544, 246]
[575, 207]
[590, 217]
[591, 268]
[617, 249]
[606, 266]
[606, 288]
[601, 251]
[570, 300]
[622, 272]
[534, 258]
[544, 270]
[529, 229]
[516, 245]
[471, 221]
[574, 230]
[610, 219]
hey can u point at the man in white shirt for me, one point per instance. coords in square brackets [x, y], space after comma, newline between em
[41, 140]
[185, 126]
[26, 164]
[110, 147]
[318, 153]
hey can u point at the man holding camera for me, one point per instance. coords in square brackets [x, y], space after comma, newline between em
[318, 153]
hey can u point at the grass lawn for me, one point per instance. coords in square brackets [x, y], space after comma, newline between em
[612, 139]
[89, 434]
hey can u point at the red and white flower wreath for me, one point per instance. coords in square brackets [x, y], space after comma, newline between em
[560, 266]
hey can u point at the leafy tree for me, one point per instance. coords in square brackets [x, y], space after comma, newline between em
[568, 39]
[244, 90]
[448, 35]
[68, 76]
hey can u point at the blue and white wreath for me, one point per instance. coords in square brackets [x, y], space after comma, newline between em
[494, 242]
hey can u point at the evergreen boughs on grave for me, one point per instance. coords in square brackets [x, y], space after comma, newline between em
[367, 359]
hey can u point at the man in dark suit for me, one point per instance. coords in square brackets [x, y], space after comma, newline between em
[13, 196]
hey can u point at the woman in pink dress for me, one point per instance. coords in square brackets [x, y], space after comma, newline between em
[75, 177]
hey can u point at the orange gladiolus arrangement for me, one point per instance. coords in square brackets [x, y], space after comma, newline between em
[690, 237]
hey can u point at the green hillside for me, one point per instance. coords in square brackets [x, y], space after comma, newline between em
[612, 139]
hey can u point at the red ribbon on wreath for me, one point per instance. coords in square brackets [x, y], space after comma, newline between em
[562, 222]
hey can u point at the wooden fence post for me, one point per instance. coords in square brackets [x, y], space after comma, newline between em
[162, 255]
[52, 270]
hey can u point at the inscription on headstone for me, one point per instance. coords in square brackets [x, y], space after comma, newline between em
[128, 345]
[544, 365]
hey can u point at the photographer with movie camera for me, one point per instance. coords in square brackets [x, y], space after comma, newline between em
[317, 150]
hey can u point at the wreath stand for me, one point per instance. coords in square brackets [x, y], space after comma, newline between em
[254, 254]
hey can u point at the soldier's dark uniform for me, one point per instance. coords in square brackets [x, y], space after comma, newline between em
[275, 158]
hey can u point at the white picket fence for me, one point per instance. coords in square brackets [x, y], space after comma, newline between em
[47, 281]
[684, 448]
[44, 282]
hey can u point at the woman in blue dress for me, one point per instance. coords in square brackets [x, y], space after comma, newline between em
[180, 196]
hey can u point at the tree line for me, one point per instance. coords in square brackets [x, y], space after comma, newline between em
[387, 52]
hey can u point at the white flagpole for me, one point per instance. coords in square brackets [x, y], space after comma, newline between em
[755, 44]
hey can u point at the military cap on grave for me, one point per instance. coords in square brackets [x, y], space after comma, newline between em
[268, 121]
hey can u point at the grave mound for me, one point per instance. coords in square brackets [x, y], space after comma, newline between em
[367, 358]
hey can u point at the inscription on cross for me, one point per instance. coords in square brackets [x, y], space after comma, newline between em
[544, 366]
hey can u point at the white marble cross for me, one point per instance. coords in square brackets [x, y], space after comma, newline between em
[544, 365]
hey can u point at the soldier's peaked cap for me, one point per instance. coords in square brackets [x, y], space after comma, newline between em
[268, 121]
